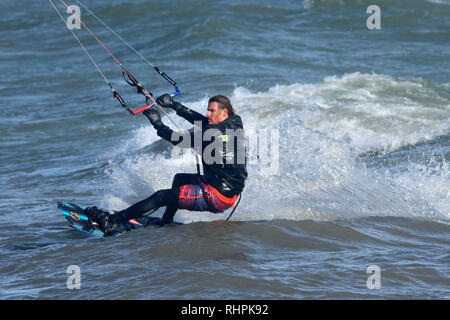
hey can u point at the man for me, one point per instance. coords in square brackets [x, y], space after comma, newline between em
[223, 159]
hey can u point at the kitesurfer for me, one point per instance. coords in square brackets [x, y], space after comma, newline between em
[222, 149]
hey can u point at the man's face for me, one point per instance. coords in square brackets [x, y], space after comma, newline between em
[215, 114]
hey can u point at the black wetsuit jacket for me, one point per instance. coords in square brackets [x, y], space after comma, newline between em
[226, 170]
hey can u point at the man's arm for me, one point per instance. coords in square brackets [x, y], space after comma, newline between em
[182, 111]
[182, 140]
[189, 114]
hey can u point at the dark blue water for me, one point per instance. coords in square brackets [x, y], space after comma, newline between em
[355, 173]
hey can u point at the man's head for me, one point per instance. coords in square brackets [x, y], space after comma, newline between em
[219, 109]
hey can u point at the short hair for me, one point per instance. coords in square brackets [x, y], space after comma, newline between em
[224, 103]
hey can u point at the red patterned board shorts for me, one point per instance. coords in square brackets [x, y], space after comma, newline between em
[191, 198]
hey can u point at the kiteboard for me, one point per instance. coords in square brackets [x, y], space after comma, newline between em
[74, 214]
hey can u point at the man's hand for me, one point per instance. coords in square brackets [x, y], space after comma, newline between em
[165, 101]
[153, 116]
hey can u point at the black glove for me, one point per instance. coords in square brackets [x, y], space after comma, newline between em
[165, 101]
[153, 116]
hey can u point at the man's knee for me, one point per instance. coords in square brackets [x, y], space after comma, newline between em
[160, 195]
[176, 179]
[168, 197]
[181, 179]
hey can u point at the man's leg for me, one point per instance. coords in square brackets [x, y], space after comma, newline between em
[167, 198]
[161, 198]
[169, 213]
[110, 223]
[179, 179]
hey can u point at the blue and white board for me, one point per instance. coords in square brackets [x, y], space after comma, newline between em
[78, 220]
